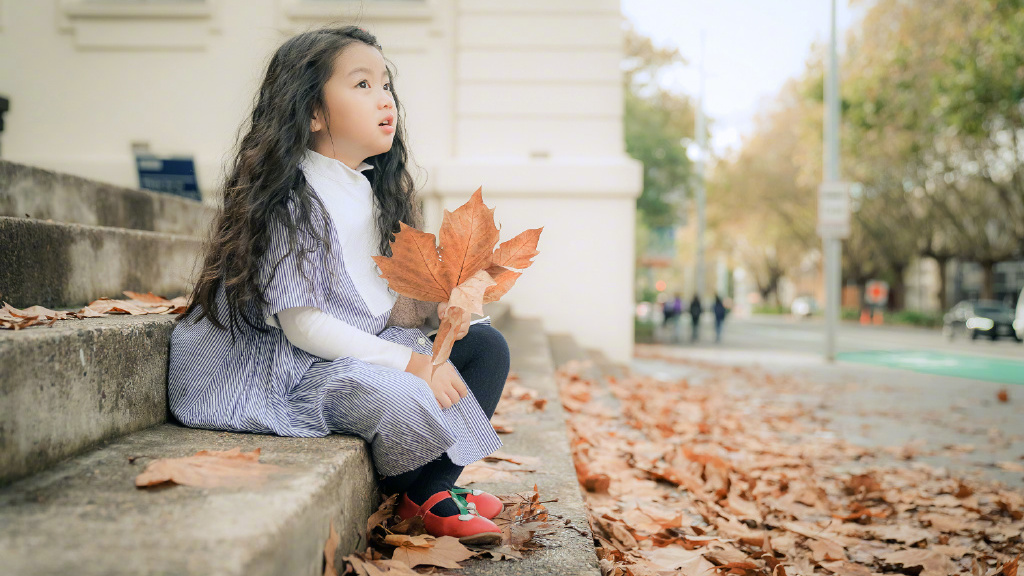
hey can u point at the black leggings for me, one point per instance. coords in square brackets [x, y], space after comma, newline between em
[482, 359]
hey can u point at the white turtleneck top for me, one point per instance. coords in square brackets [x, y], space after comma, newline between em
[349, 200]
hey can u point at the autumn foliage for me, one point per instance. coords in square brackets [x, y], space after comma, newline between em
[465, 270]
[719, 474]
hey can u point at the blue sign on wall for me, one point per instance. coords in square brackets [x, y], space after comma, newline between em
[173, 175]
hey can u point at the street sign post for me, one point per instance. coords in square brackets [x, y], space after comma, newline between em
[876, 292]
[834, 209]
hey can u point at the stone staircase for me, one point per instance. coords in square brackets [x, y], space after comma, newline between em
[83, 408]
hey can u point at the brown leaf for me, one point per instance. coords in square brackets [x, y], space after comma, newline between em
[445, 338]
[843, 568]
[504, 280]
[35, 312]
[468, 236]
[469, 295]
[330, 547]
[106, 305]
[680, 561]
[148, 298]
[419, 269]
[1009, 568]
[445, 552]
[518, 252]
[597, 483]
[384, 511]
[208, 469]
[824, 549]
[483, 472]
[87, 312]
[932, 563]
[415, 268]
[365, 566]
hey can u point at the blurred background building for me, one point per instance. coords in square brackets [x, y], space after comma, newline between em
[524, 98]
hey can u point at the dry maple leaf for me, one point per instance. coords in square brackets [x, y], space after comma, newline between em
[107, 305]
[466, 270]
[445, 552]
[147, 298]
[207, 469]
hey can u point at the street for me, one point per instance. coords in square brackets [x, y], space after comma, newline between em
[907, 391]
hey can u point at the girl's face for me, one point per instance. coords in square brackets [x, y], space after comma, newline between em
[360, 121]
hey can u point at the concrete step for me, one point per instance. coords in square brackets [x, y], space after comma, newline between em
[90, 380]
[26, 191]
[85, 516]
[543, 435]
[70, 386]
[68, 265]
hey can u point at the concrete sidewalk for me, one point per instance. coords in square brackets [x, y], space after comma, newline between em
[956, 423]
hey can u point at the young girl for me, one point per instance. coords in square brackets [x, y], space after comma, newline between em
[292, 332]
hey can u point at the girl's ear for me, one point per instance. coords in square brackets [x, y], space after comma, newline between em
[316, 124]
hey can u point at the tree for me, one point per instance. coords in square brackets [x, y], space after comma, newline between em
[761, 199]
[656, 122]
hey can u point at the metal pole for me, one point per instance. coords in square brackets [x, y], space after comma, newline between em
[832, 247]
[699, 170]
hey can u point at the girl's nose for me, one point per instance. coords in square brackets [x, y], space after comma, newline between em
[386, 101]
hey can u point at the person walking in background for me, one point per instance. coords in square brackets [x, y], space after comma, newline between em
[672, 310]
[720, 312]
[695, 312]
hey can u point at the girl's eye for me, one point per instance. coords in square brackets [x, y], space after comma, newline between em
[363, 84]
[387, 87]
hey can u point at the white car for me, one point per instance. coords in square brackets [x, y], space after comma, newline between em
[1018, 318]
[803, 306]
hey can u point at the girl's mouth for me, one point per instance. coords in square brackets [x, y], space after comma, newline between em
[388, 125]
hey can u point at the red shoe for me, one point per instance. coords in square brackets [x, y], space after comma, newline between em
[469, 527]
[486, 505]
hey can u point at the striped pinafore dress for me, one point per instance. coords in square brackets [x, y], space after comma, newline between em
[258, 382]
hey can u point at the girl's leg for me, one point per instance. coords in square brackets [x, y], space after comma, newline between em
[482, 358]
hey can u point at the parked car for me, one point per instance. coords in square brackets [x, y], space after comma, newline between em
[1018, 321]
[978, 318]
[803, 306]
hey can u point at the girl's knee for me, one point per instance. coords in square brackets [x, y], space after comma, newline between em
[491, 342]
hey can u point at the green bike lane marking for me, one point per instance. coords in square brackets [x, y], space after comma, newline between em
[974, 367]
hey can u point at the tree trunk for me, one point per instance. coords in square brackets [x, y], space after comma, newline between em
[988, 280]
[898, 292]
[943, 268]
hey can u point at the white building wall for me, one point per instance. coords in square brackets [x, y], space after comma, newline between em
[523, 98]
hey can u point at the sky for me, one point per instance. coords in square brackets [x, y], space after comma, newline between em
[751, 48]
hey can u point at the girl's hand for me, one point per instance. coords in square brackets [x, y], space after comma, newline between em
[463, 327]
[447, 386]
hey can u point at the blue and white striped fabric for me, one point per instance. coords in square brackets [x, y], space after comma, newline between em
[261, 383]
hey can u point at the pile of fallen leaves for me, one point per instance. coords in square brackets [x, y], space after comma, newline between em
[397, 546]
[137, 304]
[690, 479]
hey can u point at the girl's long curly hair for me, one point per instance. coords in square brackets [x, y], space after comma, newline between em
[265, 177]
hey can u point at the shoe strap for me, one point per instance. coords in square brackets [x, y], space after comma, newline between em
[467, 491]
[460, 502]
